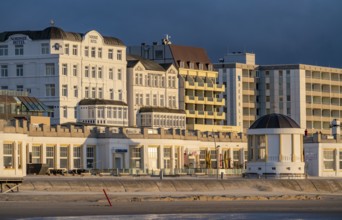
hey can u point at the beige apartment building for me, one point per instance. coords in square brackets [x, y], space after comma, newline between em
[311, 95]
[238, 74]
[152, 94]
[199, 92]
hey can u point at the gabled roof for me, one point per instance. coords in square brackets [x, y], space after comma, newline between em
[189, 54]
[166, 66]
[101, 102]
[132, 60]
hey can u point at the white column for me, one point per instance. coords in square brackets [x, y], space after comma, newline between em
[15, 159]
[23, 158]
[43, 153]
[242, 157]
[181, 157]
[161, 157]
[218, 157]
[1, 155]
[57, 156]
[145, 161]
[337, 160]
[172, 157]
[71, 157]
[231, 156]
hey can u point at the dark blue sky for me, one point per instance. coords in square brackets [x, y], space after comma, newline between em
[279, 32]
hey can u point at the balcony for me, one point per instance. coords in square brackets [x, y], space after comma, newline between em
[248, 92]
[335, 106]
[248, 79]
[209, 115]
[209, 86]
[200, 114]
[220, 115]
[199, 100]
[190, 85]
[316, 92]
[219, 101]
[190, 99]
[190, 114]
[209, 101]
[325, 106]
[199, 86]
[219, 88]
[249, 118]
[248, 105]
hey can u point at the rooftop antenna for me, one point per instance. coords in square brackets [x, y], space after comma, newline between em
[166, 40]
[52, 23]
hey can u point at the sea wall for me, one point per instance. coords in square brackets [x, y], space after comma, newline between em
[181, 185]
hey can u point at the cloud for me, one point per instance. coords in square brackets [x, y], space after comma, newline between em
[292, 31]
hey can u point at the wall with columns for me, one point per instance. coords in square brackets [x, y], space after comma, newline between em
[283, 149]
[110, 143]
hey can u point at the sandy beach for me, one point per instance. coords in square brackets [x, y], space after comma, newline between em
[46, 197]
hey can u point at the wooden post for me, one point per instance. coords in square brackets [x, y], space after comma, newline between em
[104, 191]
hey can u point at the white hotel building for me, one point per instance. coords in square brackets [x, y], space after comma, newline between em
[152, 94]
[311, 95]
[62, 68]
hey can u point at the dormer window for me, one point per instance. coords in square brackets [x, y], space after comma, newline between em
[191, 65]
[181, 64]
[200, 66]
[210, 67]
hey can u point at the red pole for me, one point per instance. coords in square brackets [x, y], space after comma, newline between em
[104, 191]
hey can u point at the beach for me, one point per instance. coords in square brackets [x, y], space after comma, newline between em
[50, 197]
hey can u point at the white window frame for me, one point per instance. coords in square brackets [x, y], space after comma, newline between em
[19, 50]
[50, 90]
[20, 69]
[65, 90]
[45, 48]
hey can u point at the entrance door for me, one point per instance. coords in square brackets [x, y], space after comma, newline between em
[118, 163]
[153, 157]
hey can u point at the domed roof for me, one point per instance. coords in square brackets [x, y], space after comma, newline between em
[58, 33]
[274, 121]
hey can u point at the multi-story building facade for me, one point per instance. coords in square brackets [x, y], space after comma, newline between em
[240, 89]
[62, 68]
[199, 93]
[152, 94]
[311, 95]
[139, 150]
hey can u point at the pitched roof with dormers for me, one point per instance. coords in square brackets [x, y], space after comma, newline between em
[189, 55]
[132, 60]
[56, 33]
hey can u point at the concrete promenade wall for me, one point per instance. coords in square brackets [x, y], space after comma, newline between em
[180, 185]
